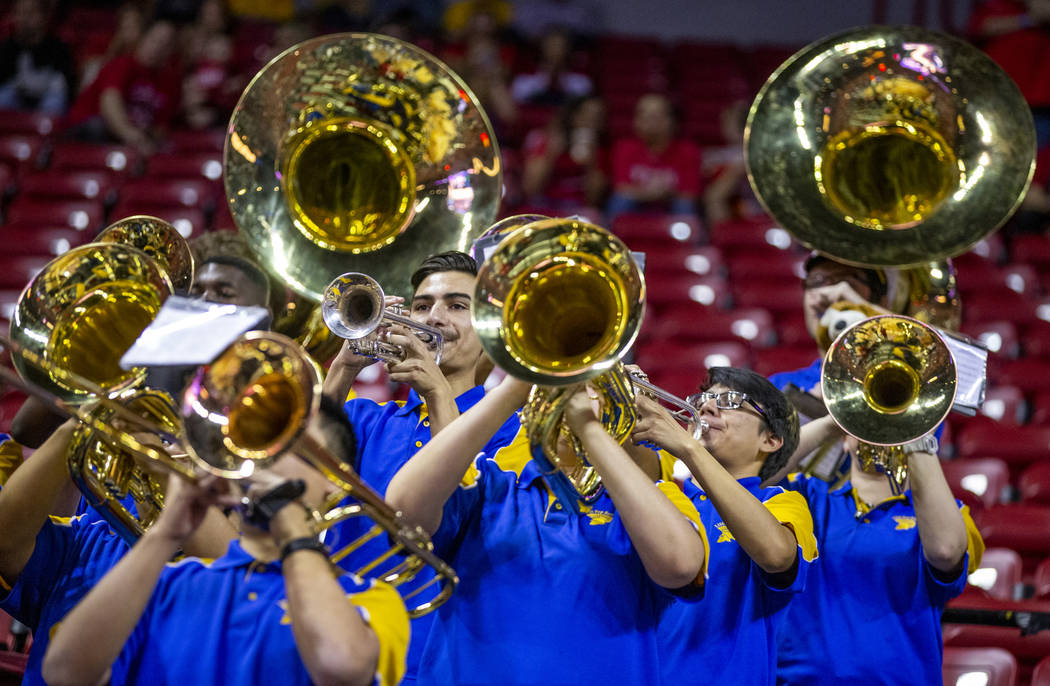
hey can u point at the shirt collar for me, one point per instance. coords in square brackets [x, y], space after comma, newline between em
[236, 556]
[464, 401]
[847, 490]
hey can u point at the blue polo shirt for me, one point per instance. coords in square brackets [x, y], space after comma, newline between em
[546, 595]
[730, 638]
[70, 556]
[226, 622]
[872, 603]
[388, 435]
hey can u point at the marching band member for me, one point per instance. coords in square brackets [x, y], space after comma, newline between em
[269, 611]
[388, 434]
[888, 565]
[762, 541]
[546, 594]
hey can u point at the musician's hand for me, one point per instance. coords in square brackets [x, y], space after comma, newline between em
[352, 361]
[418, 369]
[186, 504]
[579, 411]
[656, 425]
[291, 521]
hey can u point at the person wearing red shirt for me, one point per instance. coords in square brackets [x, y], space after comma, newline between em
[565, 162]
[135, 97]
[654, 170]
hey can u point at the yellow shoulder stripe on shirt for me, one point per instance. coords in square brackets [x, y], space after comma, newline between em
[685, 506]
[385, 613]
[11, 457]
[974, 541]
[4, 585]
[791, 510]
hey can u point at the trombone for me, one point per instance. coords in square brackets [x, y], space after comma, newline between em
[354, 308]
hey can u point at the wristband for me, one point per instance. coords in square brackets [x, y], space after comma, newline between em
[925, 444]
[259, 512]
[304, 543]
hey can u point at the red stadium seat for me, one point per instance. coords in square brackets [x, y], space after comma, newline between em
[1031, 375]
[746, 233]
[671, 228]
[196, 193]
[782, 295]
[688, 323]
[1041, 580]
[119, 160]
[12, 664]
[16, 271]
[21, 152]
[988, 666]
[1035, 340]
[1041, 673]
[678, 290]
[82, 215]
[664, 358]
[1005, 305]
[188, 220]
[41, 242]
[1004, 404]
[1034, 484]
[68, 185]
[1031, 249]
[1001, 338]
[781, 265]
[999, 574]
[25, 122]
[1019, 526]
[681, 259]
[197, 141]
[1019, 278]
[186, 165]
[10, 401]
[1017, 446]
[1028, 650]
[784, 359]
[984, 477]
[792, 331]
[1041, 408]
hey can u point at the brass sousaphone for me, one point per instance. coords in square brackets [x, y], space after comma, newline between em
[891, 147]
[358, 152]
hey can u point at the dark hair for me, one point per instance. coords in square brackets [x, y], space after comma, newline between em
[450, 261]
[336, 421]
[874, 278]
[780, 415]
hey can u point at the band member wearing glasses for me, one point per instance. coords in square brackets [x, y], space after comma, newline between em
[550, 591]
[888, 565]
[762, 542]
[269, 611]
[390, 433]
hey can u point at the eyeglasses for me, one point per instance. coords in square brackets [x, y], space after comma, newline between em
[726, 400]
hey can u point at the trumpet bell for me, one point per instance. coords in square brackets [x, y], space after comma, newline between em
[890, 146]
[248, 406]
[559, 301]
[83, 311]
[888, 380]
[158, 239]
[352, 150]
[353, 305]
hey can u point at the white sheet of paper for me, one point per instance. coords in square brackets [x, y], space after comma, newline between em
[190, 332]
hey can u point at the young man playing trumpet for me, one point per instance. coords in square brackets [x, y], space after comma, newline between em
[269, 611]
[762, 540]
[389, 434]
[550, 591]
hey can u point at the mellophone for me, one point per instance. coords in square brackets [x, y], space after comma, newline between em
[423, 175]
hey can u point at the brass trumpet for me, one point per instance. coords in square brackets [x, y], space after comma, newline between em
[888, 380]
[560, 301]
[354, 308]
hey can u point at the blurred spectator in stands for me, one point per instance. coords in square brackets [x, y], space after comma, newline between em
[654, 171]
[1016, 34]
[533, 18]
[1033, 216]
[209, 91]
[553, 82]
[135, 97]
[565, 163]
[486, 74]
[727, 192]
[37, 71]
[466, 17]
[345, 16]
[131, 22]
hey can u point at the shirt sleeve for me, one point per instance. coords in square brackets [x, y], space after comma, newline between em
[688, 510]
[459, 508]
[26, 595]
[384, 611]
[791, 509]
